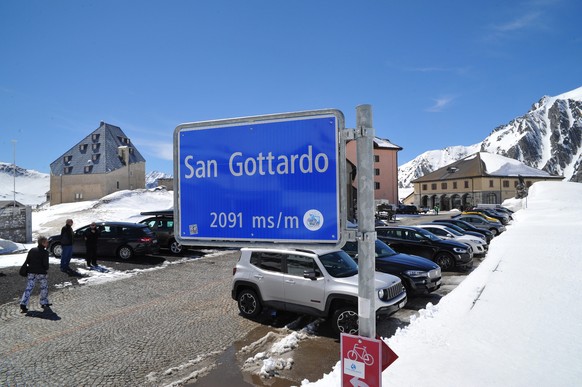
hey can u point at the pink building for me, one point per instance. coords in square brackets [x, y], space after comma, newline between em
[385, 169]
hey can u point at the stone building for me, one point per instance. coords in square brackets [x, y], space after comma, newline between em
[103, 162]
[481, 178]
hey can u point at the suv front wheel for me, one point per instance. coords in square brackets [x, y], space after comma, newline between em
[445, 261]
[345, 320]
[176, 247]
[249, 303]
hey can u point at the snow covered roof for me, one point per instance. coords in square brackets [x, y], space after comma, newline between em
[385, 143]
[483, 164]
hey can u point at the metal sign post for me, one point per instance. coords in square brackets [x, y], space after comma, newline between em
[366, 221]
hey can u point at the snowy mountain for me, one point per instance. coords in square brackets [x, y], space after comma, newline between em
[151, 178]
[30, 186]
[548, 137]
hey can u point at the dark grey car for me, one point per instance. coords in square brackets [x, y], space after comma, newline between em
[163, 226]
[123, 240]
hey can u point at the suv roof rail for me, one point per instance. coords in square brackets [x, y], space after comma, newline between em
[158, 213]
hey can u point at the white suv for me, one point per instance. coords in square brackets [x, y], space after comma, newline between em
[321, 283]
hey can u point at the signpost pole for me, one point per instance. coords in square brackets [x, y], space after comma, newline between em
[366, 221]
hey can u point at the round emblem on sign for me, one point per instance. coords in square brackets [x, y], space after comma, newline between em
[313, 220]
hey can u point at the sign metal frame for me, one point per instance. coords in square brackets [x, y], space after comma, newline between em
[181, 188]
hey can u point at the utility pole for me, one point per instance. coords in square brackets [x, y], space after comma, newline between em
[14, 178]
[366, 221]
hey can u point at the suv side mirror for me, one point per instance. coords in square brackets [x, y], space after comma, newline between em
[311, 274]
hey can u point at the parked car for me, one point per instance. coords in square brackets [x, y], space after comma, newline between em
[465, 232]
[481, 214]
[478, 244]
[162, 223]
[496, 227]
[406, 209]
[418, 275]
[467, 227]
[321, 283]
[414, 240]
[123, 240]
[502, 217]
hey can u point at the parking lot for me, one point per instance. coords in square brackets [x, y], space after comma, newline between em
[171, 321]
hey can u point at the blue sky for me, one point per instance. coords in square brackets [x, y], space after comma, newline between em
[437, 74]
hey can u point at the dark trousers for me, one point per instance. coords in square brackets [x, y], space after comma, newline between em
[91, 256]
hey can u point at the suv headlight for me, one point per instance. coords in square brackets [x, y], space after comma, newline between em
[383, 294]
[459, 250]
[416, 273]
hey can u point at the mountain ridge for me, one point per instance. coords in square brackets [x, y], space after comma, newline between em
[547, 137]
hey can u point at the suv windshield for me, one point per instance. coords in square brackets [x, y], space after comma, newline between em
[427, 234]
[383, 250]
[339, 264]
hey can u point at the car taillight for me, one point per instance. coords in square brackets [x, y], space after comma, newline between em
[145, 239]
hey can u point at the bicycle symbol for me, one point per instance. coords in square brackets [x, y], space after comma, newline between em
[360, 353]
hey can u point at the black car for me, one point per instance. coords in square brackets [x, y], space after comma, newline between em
[418, 275]
[162, 223]
[467, 227]
[414, 240]
[406, 209]
[123, 240]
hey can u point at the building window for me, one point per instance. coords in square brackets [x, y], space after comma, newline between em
[95, 146]
[95, 157]
[515, 184]
[424, 187]
[78, 196]
[433, 186]
[68, 170]
[528, 183]
[88, 168]
[376, 158]
[67, 159]
[376, 172]
[454, 185]
[490, 183]
[117, 185]
[443, 185]
[83, 147]
[376, 185]
[466, 184]
[95, 136]
[505, 183]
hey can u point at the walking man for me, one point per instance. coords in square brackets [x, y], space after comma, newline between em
[38, 265]
[67, 245]
[91, 236]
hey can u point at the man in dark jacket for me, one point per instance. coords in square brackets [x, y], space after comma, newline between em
[91, 237]
[38, 265]
[67, 245]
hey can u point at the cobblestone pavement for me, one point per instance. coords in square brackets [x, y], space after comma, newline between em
[125, 332]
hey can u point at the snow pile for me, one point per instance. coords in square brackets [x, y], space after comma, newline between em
[515, 320]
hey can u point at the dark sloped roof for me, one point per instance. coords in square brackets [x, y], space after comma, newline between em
[99, 151]
[460, 169]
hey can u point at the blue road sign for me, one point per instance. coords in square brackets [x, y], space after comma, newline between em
[267, 179]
